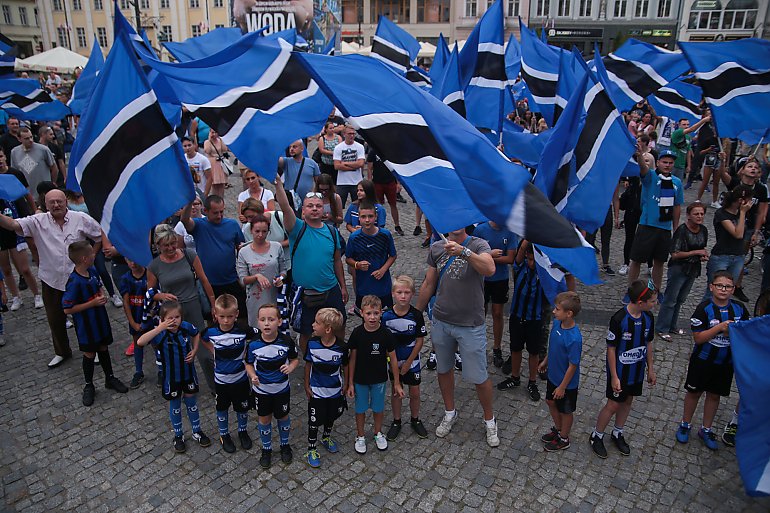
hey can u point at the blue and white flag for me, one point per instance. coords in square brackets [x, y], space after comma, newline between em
[751, 359]
[482, 70]
[204, 45]
[256, 96]
[512, 60]
[677, 100]
[127, 159]
[398, 49]
[440, 59]
[457, 176]
[23, 98]
[540, 70]
[331, 46]
[8, 51]
[569, 77]
[11, 188]
[84, 86]
[735, 78]
[449, 90]
[523, 146]
[638, 69]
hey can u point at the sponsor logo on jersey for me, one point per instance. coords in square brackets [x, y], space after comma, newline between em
[632, 356]
[627, 335]
[720, 341]
[610, 335]
[695, 322]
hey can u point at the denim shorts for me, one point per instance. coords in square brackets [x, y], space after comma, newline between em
[370, 397]
[471, 341]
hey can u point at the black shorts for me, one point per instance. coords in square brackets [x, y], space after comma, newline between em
[176, 390]
[650, 242]
[94, 348]
[412, 379]
[703, 376]
[235, 394]
[711, 160]
[322, 412]
[277, 405]
[496, 292]
[525, 333]
[626, 391]
[7, 240]
[568, 403]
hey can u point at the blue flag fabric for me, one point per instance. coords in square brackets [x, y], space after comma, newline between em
[457, 176]
[256, 96]
[569, 77]
[540, 70]
[127, 159]
[11, 188]
[752, 137]
[330, 47]
[24, 99]
[440, 59]
[8, 51]
[751, 359]
[735, 78]
[398, 49]
[522, 146]
[638, 69]
[677, 100]
[512, 60]
[204, 45]
[448, 89]
[482, 65]
[84, 86]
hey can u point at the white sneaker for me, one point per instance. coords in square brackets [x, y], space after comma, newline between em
[117, 300]
[492, 438]
[446, 424]
[16, 303]
[623, 270]
[38, 301]
[361, 445]
[381, 441]
[68, 324]
[716, 204]
[55, 362]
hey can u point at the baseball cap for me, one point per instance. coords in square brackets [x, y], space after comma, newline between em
[666, 153]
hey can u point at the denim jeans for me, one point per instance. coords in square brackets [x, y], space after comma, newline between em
[731, 263]
[678, 288]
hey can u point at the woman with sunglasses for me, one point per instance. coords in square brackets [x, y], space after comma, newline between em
[629, 354]
[332, 201]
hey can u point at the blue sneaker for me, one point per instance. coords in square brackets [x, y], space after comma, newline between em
[709, 439]
[313, 458]
[329, 444]
[626, 299]
[683, 433]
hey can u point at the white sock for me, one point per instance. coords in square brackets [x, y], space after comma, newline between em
[450, 413]
[617, 431]
[490, 423]
[734, 420]
[597, 434]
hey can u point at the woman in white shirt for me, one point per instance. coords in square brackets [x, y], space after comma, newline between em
[257, 191]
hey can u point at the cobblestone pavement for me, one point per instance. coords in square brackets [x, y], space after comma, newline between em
[57, 455]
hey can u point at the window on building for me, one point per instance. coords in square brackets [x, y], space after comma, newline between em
[433, 11]
[194, 4]
[164, 4]
[37, 17]
[219, 3]
[124, 4]
[621, 8]
[586, 8]
[23, 16]
[166, 34]
[98, 6]
[61, 34]
[395, 10]
[219, 25]
[642, 8]
[77, 5]
[664, 8]
[57, 5]
[543, 8]
[7, 18]
[144, 4]
[705, 15]
[565, 6]
[471, 9]
[82, 40]
[195, 30]
[513, 8]
[101, 34]
[740, 14]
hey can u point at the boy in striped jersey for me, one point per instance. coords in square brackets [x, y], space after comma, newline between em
[711, 363]
[271, 358]
[177, 342]
[133, 287]
[327, 360]
[629, 354]
[228, 344]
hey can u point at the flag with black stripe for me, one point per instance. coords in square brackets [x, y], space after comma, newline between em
[482, 70]
[735, 78]
[540, 71]
[398, 49]
[456, 175]
[127, 159]
[449, 89]
[23, 98]
[677, 100]
[638, 69]
[8, 52]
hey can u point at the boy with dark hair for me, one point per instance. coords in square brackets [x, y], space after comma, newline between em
[711, 363]
[564, 349]
[84, 299]
[133, 287]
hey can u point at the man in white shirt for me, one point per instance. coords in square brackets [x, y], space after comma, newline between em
[200, 165]
[349, 157]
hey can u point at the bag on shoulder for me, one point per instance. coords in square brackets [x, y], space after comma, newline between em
[202, 296]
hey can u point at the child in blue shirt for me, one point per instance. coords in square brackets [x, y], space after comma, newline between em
[84, 299]
[133, 287]
[563, 363]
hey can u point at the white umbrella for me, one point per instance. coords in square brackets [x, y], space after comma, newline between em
[426, 49]
[349, 47]
[57, 59]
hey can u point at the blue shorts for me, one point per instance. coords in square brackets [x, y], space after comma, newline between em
[370, 397]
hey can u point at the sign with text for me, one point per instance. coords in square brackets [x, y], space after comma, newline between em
[576, 33]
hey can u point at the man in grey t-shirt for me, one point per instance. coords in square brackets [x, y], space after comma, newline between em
[456, 271]
[35, 160]
[306, 167]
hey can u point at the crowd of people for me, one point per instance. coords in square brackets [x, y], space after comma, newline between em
[232, 292]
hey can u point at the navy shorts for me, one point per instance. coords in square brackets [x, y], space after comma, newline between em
[333, 300]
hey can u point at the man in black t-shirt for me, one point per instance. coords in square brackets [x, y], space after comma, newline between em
[10, 139]
[385, 185]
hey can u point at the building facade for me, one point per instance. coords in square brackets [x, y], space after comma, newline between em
[724, 20]
[20, 21]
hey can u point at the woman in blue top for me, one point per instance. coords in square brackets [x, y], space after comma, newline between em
[364, 193]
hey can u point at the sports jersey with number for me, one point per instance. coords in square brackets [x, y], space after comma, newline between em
[267, 359]
[706, 316]
[229, 352]
[173, 348]
[630, 337]
[325, 375]
[406, 329]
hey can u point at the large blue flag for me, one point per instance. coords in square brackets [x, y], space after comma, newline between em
[752, 137]
[523, 146]
[457, 176]
[482, 65]
[750, 343]
[8, 50]
[440, 59]
[127, 159]
[204, 45]
[735, 78]
[512, 60]
[24, 99]
[571, 70]
[677, 100]
[256, 96]
[398, 49]
[84, 86]
[638, 69]
[449, 89]
[540, 70]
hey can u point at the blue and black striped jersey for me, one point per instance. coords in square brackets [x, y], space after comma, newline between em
[267, 359]
[93, 324]
[173, 348]
[136, 289]
[630, 337]
[406, 330]
[229, 352]
[528, 298]
[706, 316]
[326, 375]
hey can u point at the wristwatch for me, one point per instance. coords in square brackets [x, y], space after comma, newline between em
[465, 253]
